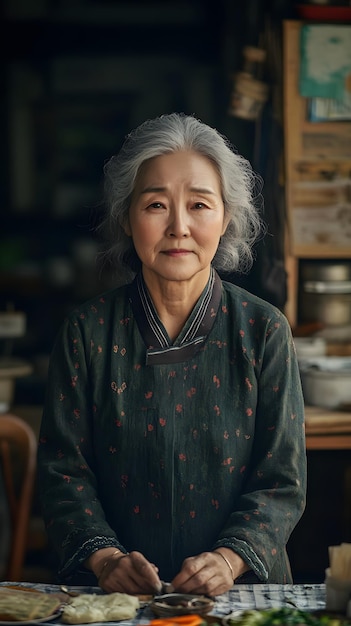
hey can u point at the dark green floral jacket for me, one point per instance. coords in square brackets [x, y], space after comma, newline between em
[174, 449]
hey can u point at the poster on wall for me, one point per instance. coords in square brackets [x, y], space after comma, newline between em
[325, 70]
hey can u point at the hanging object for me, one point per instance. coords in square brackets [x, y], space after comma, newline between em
[249, 92]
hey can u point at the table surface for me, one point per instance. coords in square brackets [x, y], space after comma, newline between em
[327, 430]
[308, 597]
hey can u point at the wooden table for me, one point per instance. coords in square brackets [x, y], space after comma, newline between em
[327, 430]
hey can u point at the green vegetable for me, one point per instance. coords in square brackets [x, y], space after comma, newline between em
[285, 616]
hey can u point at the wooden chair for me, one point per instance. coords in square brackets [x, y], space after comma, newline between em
[18, 453]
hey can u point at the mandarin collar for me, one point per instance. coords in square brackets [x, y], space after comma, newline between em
[159, 348]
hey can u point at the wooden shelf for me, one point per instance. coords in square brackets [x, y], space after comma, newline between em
[317, 176]
[321, 252]
[333, 128]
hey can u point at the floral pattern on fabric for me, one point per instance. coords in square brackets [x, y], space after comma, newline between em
[174, 459]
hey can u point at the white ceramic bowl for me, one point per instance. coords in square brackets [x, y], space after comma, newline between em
[326, 381]
[307, 347]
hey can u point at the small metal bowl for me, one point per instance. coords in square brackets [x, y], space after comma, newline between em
[171, 604]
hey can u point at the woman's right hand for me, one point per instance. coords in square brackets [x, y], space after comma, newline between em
[127, 573]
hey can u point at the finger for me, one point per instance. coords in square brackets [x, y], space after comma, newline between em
[134, 575]
[145, 571]
[203, 574]
[206, 584]
[187, 578]
[191, 567]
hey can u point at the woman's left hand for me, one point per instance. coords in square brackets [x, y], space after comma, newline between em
[208, 573]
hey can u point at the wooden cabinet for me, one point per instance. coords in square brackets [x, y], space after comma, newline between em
[317, 171]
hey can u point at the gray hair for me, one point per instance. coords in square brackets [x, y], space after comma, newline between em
[241, 189]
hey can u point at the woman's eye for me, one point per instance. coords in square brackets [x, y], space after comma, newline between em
[156, 205]
[199, 205]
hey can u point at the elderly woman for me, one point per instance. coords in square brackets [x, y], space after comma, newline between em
[172, 439]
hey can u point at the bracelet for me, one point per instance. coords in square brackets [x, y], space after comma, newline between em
[107, 561]
[227, 562]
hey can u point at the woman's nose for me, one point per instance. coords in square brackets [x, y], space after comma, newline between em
[178, 225]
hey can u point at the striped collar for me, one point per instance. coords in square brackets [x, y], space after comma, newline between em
[160, 349]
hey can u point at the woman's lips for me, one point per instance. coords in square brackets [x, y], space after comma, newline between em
[176, 252]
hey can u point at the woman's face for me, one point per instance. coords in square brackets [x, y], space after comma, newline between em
[176, 216]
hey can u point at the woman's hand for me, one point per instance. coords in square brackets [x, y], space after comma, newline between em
[209, 573]
[127, 573]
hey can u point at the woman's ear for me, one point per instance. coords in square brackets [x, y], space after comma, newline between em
[124, 222]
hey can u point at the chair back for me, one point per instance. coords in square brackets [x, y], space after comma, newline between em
[18, 460]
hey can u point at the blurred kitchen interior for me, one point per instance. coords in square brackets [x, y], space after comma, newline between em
[78, 76]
